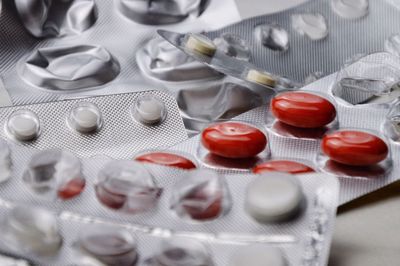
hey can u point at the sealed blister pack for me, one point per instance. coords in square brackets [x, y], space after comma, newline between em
[361, 147]
[50, 50]
[67, 239]
[114, 125]
[165, 201]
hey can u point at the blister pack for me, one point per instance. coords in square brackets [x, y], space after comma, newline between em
[316, 38]
[114, 125]
[166, 201]
[66, 239]
[345, 124]
[50, 50]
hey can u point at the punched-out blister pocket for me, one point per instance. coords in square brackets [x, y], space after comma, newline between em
[69, 68]
[68, 239]
[52, 19]
[115, 125]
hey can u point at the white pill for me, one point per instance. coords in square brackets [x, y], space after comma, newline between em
[85, 118]
[273, 197]
[201, 44]
[149, 109]
[258, 255]
[261, 77]
[23, 125]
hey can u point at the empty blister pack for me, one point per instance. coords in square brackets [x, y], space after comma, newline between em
[52, 50]
[115, 125]
[362, 148]
[66, 239]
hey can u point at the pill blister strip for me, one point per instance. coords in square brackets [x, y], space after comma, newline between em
[120, 136]
[367, 117]
[234, 226]
[113, 31]
[148, 243]
[346, 38]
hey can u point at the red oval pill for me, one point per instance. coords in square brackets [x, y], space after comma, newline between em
[234, 140]
[166, 159]
[355, 148]
[302, 109]
[284, 166]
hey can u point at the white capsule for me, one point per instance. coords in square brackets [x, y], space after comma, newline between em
[85, 117]
[261, 77]
[23, 125]
[200, 44]
[149, 109]
[273, 197]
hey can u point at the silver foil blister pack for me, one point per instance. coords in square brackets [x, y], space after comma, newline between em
[115, 125]
[150, 206]
[316, 38]
[365, 95]
[52, 49]
[75, 240]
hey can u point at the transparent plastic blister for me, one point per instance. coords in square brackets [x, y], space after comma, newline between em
[204, 50]
[115, 125]
[230, 230]
[88, 241]
[317, 36]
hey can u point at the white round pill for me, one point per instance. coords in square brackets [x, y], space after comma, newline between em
[258, 255]
[201, 44]
[273, 197]
[149, 109]
[261, 77]
[85, 117]
[23, 125]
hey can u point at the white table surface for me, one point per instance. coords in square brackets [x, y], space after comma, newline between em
[367, 229]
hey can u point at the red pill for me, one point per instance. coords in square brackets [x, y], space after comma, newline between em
[354, 148]
[71, 189]
[234, 140]
[284, 166]
[166, 159]
[302, 109]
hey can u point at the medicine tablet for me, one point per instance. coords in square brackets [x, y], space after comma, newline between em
[258, 255]
[303, 109]
[273, 197]
[261, 77]
[233, 140]
[23, 125]
[355, 148]
[85, 117]
[149, 109]
[201, 44]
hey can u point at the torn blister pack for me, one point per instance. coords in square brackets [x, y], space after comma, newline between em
[88, 48]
